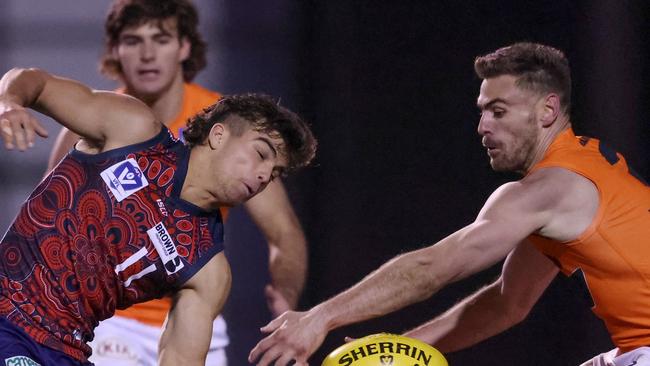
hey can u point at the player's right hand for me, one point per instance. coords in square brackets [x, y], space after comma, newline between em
[293, 337]
[18, 127]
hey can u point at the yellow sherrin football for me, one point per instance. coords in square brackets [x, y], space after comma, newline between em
[385, 350]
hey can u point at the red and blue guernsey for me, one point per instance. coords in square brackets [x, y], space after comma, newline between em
[102, 232]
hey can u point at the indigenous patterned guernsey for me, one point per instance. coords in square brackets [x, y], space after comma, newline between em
[195, 99]
[100, 233]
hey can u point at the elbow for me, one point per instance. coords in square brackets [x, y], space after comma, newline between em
[18, 72]
[515, 308]
[23, 86]
[438, 266]
[518, 314]
[15, 71]
[520, 309]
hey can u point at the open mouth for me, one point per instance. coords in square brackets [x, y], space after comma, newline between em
[248, 189]
[148, 73]
[489, 145]
[491, 148]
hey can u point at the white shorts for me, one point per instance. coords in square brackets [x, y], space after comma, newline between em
[637, 357]
[121, 341]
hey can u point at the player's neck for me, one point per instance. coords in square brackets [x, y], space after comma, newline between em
[194, 189]
[167, 105]
[547, 139]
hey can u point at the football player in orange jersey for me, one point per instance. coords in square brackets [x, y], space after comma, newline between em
[578, 206]
[155, 50]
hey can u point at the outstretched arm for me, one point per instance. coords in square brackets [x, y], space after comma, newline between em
[495, 308]
[188, 330]
[512, 213]
[106, 120]
[273, 214]
[404, 280]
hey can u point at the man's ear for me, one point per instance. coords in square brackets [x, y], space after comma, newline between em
[114, 53]
[550, 109]
[186, 49]
[116, 57]
[216, 137]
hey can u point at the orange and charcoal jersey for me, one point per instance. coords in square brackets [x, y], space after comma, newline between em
[614, 251]
[195, 99]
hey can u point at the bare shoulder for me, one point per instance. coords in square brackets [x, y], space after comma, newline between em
[128, 120]
[546, 188]
[559, 187]
[569, 200]
[125, 121]
[553, 202]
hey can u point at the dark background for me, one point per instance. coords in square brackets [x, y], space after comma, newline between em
[390, 90]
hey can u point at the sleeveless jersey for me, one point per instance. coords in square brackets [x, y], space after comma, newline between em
[614, 251]
[195, 99]
[102, 232]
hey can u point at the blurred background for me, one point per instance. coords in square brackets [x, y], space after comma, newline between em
[390, 91]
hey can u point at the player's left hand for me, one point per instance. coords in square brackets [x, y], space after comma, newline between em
[295, 336]
[18, 127]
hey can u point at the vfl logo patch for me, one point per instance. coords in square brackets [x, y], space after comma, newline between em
[386, 360]
[20, 361]
[124, 179]
[165, 247]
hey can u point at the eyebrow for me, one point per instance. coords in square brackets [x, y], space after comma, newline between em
[129, 35]
[161, 32]
[268, 142]
[491, 103]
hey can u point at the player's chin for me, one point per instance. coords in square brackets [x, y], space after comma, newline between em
[499, 165]
[496, 167]
[240, 199]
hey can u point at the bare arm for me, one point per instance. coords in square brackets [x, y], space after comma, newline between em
[495, 308]
[273, 214]
[106, 120]
[541, 202]
[188, 330]
[64, 142]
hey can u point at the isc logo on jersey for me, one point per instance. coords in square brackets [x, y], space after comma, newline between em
[165, 247]
[124, 178]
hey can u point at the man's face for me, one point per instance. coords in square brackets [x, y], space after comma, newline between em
[508, 123]
[242, 166]
[151, 55]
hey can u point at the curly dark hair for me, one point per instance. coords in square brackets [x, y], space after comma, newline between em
[260, 113]
[538, 67]
[132, 13]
